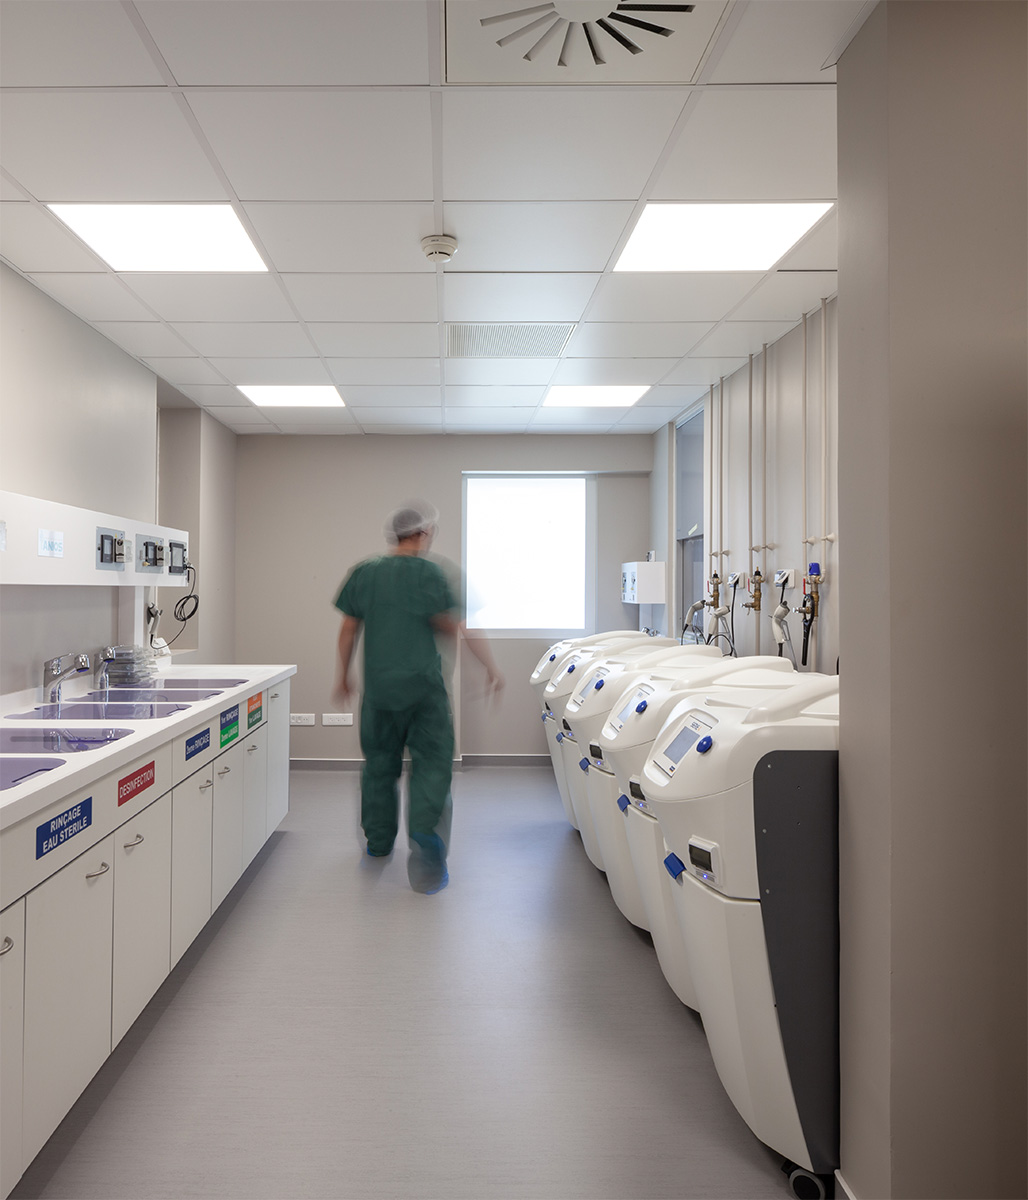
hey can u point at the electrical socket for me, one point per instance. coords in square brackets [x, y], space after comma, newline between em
[301, 718]
[337, 718]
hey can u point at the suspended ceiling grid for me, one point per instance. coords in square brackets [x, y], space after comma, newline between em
[334, 129]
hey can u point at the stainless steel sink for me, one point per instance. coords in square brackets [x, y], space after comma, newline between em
[57, 741]
[164, 684]
[75, 711]
[150, 696]
[16, 770]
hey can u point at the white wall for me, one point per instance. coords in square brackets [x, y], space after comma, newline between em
[78, 425]
[729, 524]
[307, 508]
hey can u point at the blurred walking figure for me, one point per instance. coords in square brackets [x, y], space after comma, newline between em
[402, 600]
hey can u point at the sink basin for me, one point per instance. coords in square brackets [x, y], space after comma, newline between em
[75, 711]
[149, 696]
[165, 684]
[57, 741]
[16, 770]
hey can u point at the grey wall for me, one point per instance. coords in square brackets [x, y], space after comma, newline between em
[78, 425]
[933, 459]
[307, 508]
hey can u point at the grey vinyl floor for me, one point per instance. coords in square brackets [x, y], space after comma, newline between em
[333, 1034]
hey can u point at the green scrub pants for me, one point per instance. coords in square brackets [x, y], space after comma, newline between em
[426, 729]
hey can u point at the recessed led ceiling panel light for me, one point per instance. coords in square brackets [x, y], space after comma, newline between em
[716, 237]
[567, 395]
[163, 237]
[290, 396]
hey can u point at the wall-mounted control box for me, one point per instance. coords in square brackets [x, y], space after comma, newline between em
[176, 558]
[642, 583]
[111, 549]
[150, 554]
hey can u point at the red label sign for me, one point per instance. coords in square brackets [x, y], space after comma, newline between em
[254, 703]
[135, 783]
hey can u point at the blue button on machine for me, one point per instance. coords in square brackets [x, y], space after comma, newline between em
[584, 764]
[641, 706]
[624, 803]
[560, 737]
[571, 669]
[704, 744]
[599, 684]
[674, 865]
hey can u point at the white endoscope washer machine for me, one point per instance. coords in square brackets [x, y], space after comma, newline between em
[625, 742]
[563, 667]
[591, 783]
[566, 691]
[745, 788]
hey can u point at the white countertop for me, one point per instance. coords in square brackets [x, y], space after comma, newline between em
[83, 768]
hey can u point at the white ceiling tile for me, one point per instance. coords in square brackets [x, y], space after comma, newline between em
[180, 371]
[671, 296]
[678, 396]
[787, 295]
[236, 417]
[280, 42]
[189, 297]
[581, 418]
[755, 144]
[34, 240]
[489, 420]
[613, 370]
[627, 339]
[104, 146]
[145, 338]
[555, 145]
[819, 250]
[92, 297]
[223, 395]
[508, 398]
[785, 41]
[271, 370]
[321, 145]
[701, 372]
[379, 371]
[72, 43]
[391, 397]
[516, 297]
[389, 415]
[344, 237]
[9, 190]
[242, 339]
[535, 237]
[331, 417]
[376, 298]
[361, 339]
[502, 371]
[738, 339]
[353, 430]
[647, 420]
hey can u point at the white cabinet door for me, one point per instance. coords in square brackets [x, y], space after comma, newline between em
[12, 1015]
[227, 839]
[255, 793]
[192, 803]
[278, 754]
[142, 912]
[69, 923]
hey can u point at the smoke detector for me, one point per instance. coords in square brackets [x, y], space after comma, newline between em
[439, 248]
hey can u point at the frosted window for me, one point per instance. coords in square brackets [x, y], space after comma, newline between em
[525, 552]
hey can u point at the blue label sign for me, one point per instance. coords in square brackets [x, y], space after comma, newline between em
[197, 743]
[65, 825]
[229, 725]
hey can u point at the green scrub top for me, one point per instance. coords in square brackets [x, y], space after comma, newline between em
[396, 596]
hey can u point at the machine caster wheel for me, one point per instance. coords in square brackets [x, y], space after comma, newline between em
[805, 1185]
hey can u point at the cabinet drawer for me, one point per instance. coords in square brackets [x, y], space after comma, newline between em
[12, 1018]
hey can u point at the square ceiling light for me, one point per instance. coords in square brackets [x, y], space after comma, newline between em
[163, 237]
[590, 395]
[716, 237]
[292, 396]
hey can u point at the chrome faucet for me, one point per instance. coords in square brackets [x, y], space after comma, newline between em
[56, 670]
[100, 660]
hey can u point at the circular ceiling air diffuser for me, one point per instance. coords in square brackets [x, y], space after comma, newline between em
[439, 248]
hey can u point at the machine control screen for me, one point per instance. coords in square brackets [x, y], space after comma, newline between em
[618, 719]
[696, 725]
[701, 858]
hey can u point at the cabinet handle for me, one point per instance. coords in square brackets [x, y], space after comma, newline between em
[275, 695]
[139, 840]
[224, 771]
[7, 947]
[204, 786]
[250, 749]
[104, 868]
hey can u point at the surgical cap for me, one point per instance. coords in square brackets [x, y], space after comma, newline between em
[410, 519]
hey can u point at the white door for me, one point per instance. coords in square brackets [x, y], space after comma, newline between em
[278, 754]
[255, 793]
[191, 818]
[69, 923]
[227, 837]
[142, 912]
[12, 1013]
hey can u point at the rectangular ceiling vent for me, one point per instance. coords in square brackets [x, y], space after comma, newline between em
[466, 340]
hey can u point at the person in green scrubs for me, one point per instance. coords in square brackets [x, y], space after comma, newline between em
[401, 601]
